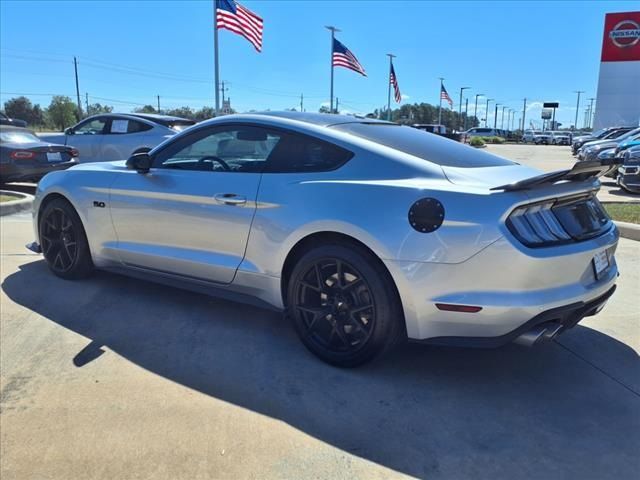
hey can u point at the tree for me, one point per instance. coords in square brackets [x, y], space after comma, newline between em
[61, 112]
[204, 113]
[96, 108]
[324, 109]
[22, 109]
[184, 112]
[145, 109]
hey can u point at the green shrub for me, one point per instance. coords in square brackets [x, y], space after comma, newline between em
[493, 139]
[476, 142]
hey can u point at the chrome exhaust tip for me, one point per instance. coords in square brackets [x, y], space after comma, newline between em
[540, 333]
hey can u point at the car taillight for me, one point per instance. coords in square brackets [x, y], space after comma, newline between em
[536, 225]
[74, 152]
[22, 155]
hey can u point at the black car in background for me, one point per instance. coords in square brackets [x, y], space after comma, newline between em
[24, 157]
[14, 122]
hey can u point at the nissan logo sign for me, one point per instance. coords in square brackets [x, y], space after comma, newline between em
[625, 34]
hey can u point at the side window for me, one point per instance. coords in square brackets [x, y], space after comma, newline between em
[92, 127]
[299, 153]
[124, 125]
[230, 149]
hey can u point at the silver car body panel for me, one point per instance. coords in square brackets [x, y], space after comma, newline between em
[170, 222]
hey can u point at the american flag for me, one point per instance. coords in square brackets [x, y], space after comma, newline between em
[445, 96]
[233, 16]
[394, 81]
[342, 57]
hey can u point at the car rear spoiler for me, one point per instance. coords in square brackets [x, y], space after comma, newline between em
[580, 172]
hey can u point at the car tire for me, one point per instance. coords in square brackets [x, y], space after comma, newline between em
[64, 242]
[344, 304]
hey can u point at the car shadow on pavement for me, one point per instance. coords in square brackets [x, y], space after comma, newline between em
[424, 411]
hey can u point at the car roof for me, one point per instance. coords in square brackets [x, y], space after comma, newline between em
[155, 116]
[321, 119]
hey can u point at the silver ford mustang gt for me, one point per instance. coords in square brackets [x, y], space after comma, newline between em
[364, 232]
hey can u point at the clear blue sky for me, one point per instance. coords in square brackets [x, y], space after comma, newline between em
[131, 51]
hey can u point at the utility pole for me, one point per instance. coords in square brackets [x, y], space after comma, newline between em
[524, 113]
[475, 111]
[440, 108]
[337, 105]
[466, 113]
[75, 67]
[158, 97]
[575, 124]
[486, 113]
[502, 119]
[460, 104]
[590, 111]
[495, 117]
[302, 102]
[333, 31]
[86, 101]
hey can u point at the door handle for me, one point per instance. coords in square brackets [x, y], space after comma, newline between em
[230, 199]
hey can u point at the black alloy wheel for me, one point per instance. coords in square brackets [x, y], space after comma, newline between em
[344, 305]
[63, 241]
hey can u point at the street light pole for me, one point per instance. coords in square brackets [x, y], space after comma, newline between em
[575, 124]
[486, 113]
[590, 111]
[460, 104]
[466, 113]
[495, 117]
[475, 111]
[502, 119]
[524, 114]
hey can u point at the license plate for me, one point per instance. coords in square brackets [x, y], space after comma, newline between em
[600, 263]
[54, 157]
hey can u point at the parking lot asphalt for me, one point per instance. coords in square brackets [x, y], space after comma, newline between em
[558, 157]
[117, 378]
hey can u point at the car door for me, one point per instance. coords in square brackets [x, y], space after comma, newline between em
[191, 214]
[87, 136]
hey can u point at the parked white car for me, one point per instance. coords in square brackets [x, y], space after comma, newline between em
[560, 138]
[109, 137]
[528, 136]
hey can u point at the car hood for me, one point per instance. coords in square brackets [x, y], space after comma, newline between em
[118, 165]
[582, 138]
[601, 144]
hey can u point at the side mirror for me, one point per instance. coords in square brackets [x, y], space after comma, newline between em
[140, 161]
[69, 131]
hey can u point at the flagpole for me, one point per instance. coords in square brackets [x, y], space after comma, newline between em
[215, 57]
[333, 34]
[391, 56]
[440, 107]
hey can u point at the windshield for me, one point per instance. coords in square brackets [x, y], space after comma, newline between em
[16, 136]
[432, 148]
[629, 134]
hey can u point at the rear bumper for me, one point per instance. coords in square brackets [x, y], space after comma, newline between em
[513, 284]
[567, 316]
[10, 172]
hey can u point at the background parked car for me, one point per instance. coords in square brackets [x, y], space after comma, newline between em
[528, 135]
[108, 137]
[480, 132]
[605, 133]
[591, 150]
[560, 138]
[438, 130]
[629, 172]
[542, 138]
[4, 120]
[24, 157]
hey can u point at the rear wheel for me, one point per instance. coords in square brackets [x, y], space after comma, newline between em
[64, 242]
[344, 305]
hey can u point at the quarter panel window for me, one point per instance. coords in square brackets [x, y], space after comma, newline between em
[300, 153]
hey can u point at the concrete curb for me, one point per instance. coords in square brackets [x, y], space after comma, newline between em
[24, 202]
[629, 230]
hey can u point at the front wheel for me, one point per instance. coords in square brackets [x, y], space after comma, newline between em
[344, 305]
[64, 242]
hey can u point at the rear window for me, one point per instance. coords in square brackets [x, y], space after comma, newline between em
[432, 148]
[14, 136]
